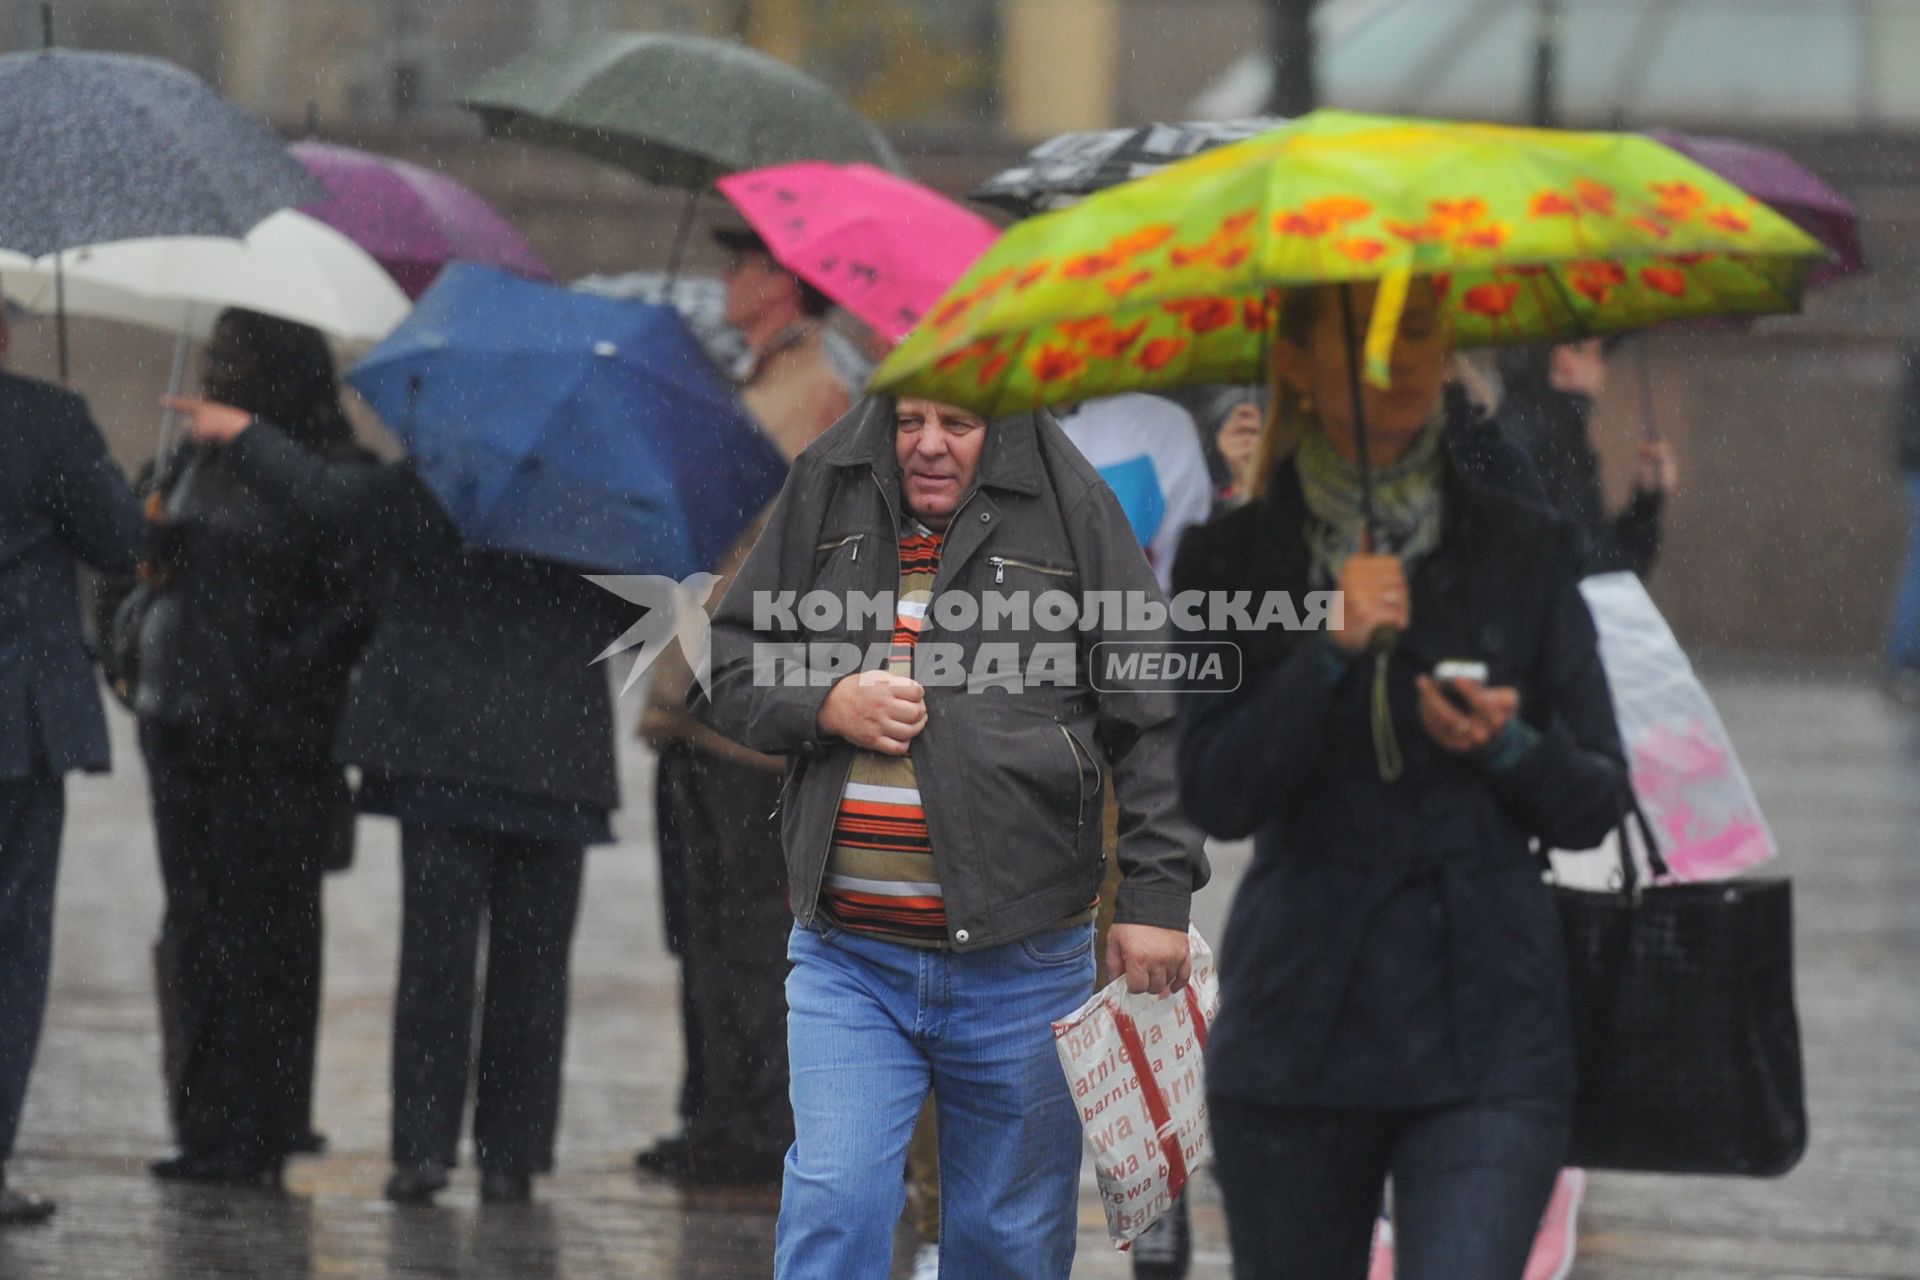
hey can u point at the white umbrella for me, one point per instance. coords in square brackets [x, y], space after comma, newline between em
[289, 266]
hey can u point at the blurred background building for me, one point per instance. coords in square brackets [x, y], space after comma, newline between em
[1789, 526]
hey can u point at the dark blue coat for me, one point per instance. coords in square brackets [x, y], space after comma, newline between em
[61, 500]
[480, 675]
[1393, 943]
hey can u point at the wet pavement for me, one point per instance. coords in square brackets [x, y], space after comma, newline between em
[1836, 770]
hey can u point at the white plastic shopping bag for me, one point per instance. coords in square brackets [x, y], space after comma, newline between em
[1134, 1063]
[1682, 763]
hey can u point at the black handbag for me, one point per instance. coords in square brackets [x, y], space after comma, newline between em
[1687, 1042]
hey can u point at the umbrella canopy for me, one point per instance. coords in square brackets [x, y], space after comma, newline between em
[1070, 165]
[105, 146]
[1788, 187]
[289, 266]
[412, 220]
[880, 246]
[1527, 234]
[677, 110]
[581, 429]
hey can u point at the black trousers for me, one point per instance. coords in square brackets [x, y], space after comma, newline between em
[242, 837]
[31, 813]
[675, 760]
[1303, 1186]
[527, 892]
[737, 921]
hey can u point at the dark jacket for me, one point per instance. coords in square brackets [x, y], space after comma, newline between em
[61, 500]
[1011, 781]
[255, 615]
[481, 666]
[1392, 943]
[1906, 414]
[1551, 427]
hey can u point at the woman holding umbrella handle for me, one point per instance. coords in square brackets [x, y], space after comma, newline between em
[1393, 990]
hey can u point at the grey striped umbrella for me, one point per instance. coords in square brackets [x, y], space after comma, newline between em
[105, 146]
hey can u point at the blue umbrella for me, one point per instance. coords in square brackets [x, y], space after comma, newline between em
[586, 430]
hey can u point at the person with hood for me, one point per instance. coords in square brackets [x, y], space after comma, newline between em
[942, 833]
[248, 625]
[1546, 409]
[62, 503]
[478, 718]
[1393, 998]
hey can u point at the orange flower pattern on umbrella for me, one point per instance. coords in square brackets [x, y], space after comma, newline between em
[1679, 201]
[1056, 364]
[1596, 281]
[1491, 300]
[1491, 236]
[1594, 197]
[992, 369]
[1731, 219]
[1362, 250]
[1255, 314]
[1551, 204]
[1671, 281]
[1120, 286]
[1457, 215]
[1089, 265]
[1111, 343]
[1160, 353]
[1032, 275]
[1202, 315]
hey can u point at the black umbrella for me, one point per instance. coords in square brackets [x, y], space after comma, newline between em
[107, 146]
[1078, 164]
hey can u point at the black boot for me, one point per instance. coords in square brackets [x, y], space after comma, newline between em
[1166, 1250]
[667, 1156]
[19, 1210]
[416, 1183]
[498, 1186]
[225, 1170]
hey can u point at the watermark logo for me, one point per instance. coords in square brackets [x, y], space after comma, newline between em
[674, 610]
[1110, 641]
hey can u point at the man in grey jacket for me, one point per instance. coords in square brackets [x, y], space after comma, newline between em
[915, 631]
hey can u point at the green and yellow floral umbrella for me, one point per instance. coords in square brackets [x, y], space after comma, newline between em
[1175, 279]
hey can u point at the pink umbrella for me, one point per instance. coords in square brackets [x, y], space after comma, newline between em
[880, 246]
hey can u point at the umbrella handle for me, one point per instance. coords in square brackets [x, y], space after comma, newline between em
[174, 375]
[679, 249]
[1357, 391]
[1649, 424]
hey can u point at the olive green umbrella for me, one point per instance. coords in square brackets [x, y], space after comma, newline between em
[677, 110]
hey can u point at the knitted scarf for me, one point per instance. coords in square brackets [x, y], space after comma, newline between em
[1406, 501]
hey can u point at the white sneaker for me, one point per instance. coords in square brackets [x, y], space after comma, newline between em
[926, 1262]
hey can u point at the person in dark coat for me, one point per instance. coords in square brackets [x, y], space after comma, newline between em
[479, 718]
[250, 623]
[1903, 633]
[1548, 404]
[1393, 998]
[61, 500]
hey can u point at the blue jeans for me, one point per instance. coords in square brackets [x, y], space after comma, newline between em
[871, 1026]
[1903, 636]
